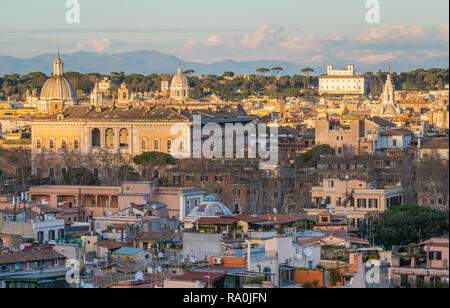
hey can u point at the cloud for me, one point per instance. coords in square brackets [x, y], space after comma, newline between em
[371, 46]
[99, 46]
[373, 59]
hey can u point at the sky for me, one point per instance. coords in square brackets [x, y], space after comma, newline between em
[304, 32]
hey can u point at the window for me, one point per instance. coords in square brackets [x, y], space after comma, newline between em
[330, 183]
[109, 136]
[176, 179]
[236, 192]
[394, 142]
[76, 144]
[143, 145]
[169, 146]
[373, 203]
[64, 144]
[204, 178]
[39, 143]
[362, 203]
[190, 178]
[51, 144]
[123, 137]
[95, 137]
[218, 178]
[156, 145]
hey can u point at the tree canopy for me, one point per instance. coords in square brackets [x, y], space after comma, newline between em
[404, 225]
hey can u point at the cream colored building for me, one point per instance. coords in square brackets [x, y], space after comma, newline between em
[343, 82]
[130, 132]
[366, 197]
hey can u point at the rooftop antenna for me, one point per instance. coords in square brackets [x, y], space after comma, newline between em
[389, 68]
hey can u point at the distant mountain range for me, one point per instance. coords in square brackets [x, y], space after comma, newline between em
[139, 62]
[151, 61]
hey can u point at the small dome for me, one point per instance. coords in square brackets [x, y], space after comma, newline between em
[211, 207]
[179, 87]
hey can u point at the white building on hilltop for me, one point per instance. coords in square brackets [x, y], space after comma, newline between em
[343, 82]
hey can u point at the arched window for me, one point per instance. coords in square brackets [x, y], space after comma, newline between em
[95, 137]
[169, 146]
[144, 145]
[123, 137]
[109, 136]
[51, 144]
[39, 143]
[156, 145]
[76, 144]
[64, 144]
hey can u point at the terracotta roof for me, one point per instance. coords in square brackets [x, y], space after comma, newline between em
[396, 132]
[110, 244]
[268, 217]
[168, 235]
[382, 122]
[221, 221]
[85, 113]
[435, 143]
[30, 256]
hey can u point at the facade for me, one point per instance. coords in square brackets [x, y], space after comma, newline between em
[364, 197]
[342, 82]
[93, 131]
[428, 268]
[108, 200]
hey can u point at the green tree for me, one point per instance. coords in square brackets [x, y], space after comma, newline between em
[404, 225]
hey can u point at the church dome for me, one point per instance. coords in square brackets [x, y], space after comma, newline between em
[179, 87]
[211, 207]
[58, 87]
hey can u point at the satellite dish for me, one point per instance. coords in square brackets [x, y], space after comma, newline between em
[159, 269]
[308, 252]
[139, 276]
[96, 261]
[88, 286]
[299, 256]
[82, 283]
[150, 270]
[11, 249]
[105, 236]
[192, 260]
[22, 247]
[118, 236]
[88, 270]
[98, 231]
[275, 211]
[160, 255]
[183, 259]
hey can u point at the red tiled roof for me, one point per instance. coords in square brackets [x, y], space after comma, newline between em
[222, 221]
[284, 219]
[110, 244]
